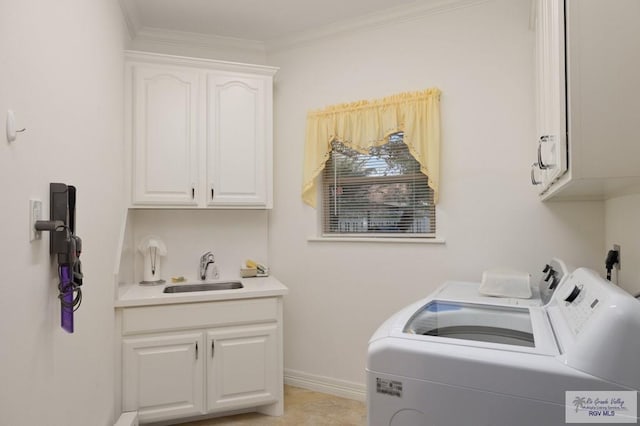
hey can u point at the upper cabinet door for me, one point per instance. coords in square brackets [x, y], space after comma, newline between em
[165, 120]
[551, 93]
[239, 141]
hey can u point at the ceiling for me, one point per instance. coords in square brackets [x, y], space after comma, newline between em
[259, 20]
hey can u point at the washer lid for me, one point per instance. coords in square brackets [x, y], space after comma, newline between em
[480, 323]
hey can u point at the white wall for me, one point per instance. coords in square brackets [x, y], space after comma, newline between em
[61, 73]
[622, 227]
[481, 57]
[232, 235]
[199, 46]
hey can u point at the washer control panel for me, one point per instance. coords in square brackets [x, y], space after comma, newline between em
[597, 326]
[578, 300]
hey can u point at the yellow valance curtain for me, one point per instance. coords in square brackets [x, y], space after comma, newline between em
[365, 124]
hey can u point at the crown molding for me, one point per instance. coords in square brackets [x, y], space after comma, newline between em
[206, 41]
[162, 58]
[371, 21]
[131, 17]
[367, 22]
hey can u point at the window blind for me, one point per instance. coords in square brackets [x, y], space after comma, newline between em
[379, 193]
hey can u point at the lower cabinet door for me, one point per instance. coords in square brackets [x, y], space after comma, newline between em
[241, 367]
[163, 375]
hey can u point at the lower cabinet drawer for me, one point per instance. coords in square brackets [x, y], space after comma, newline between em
[148, 319]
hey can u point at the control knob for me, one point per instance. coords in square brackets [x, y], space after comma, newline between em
[550, 272]
[574, 293]
[551, 275]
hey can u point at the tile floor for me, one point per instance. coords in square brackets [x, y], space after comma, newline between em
[301, 407]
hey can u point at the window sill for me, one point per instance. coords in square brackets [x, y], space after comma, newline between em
[376, 240]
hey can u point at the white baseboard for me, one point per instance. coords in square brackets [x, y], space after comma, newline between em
[341, 388]
[128, 419]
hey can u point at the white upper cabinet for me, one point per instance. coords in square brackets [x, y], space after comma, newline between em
[550, 90]
[165, 108]
[199, 132]
[588, 93]
[238, 145]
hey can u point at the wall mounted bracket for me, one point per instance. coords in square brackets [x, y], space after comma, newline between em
[67, 246]
[11, 127]
[48, 225]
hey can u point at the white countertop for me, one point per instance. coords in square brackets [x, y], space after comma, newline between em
[139, 295]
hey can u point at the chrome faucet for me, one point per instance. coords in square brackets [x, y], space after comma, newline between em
[205, 260]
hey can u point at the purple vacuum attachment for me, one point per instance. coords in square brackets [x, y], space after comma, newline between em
[66, 299]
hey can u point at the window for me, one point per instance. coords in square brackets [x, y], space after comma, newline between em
[379, 194]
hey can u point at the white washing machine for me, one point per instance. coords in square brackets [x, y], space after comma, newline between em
[459, 362]
[553, 275]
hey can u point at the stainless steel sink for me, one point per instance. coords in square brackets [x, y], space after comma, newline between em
[183, 288]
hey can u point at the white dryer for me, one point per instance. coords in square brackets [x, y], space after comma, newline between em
[458, 362]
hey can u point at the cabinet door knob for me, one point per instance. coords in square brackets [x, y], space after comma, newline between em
[533, 176]
[212, 192]
[196, 350]
[193, 193]
[213, 347]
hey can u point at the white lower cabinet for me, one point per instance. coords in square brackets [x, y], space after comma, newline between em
[188, 360]
[163, 375]
[240, 369]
